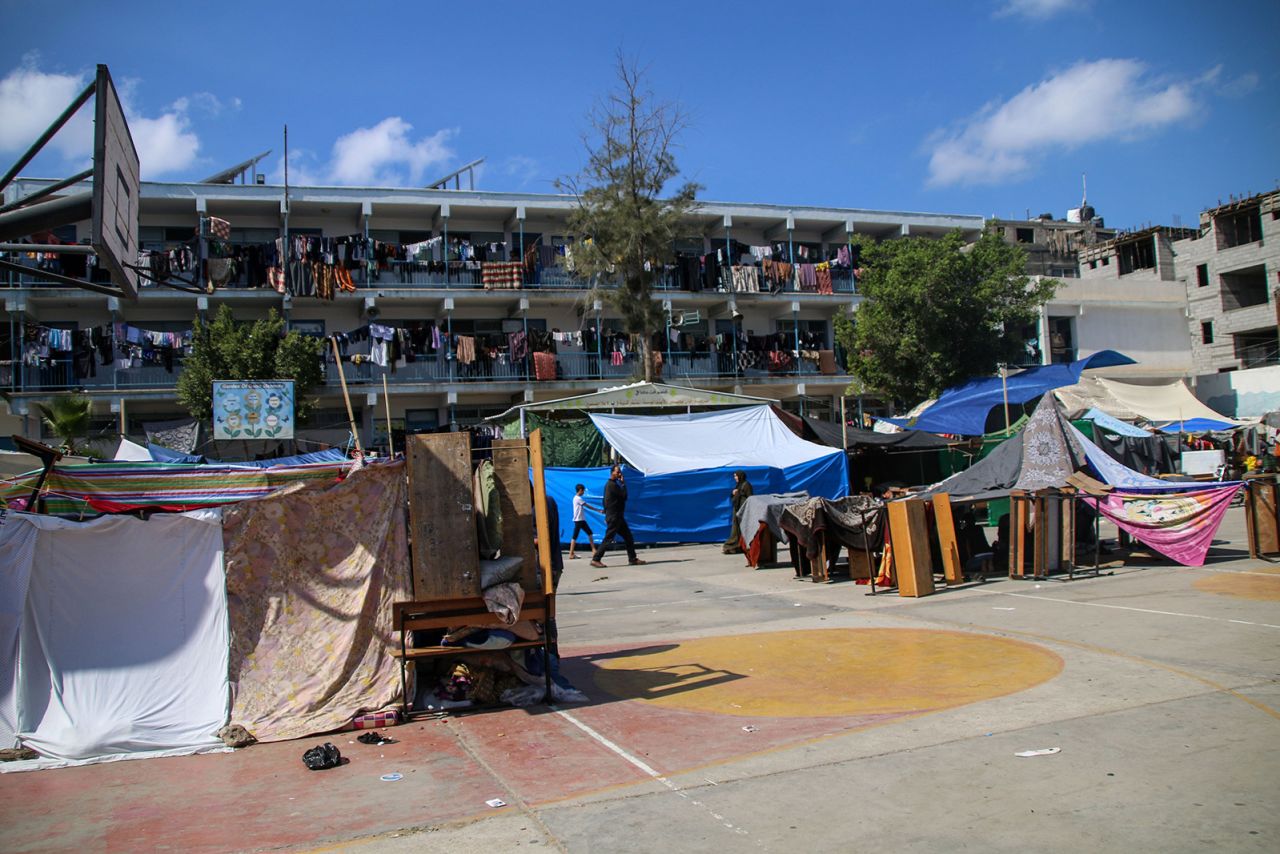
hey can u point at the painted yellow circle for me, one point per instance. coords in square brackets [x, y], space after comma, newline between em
[828, 672]
[1262, 584]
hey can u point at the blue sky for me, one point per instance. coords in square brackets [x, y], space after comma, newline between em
[991, 108]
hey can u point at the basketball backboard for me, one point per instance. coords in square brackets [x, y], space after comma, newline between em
[115, 188]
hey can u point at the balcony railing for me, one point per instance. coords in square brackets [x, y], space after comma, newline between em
[60, 374]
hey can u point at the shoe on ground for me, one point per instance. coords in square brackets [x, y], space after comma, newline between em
[638, 562]
[597, 563]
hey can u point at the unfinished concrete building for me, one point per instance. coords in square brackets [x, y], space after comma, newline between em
[1231, 272]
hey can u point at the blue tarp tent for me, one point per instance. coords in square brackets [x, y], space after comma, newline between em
[159, 453]
[1114, 425]
[1197, 425]
[680, 474]
[963, 410]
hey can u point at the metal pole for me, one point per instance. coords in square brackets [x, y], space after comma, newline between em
[46, 215]
[284, 260]
[48, 133]
[47, 191]
[1004, 384]
[844, 425]
[386, 397]
[351, 416]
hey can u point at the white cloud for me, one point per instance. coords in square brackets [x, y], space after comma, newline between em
[30, 99]
[520, 168]
[1240, 86]
[1110, 99]
[165, 143]
[207, 103]
[385, 155]
[1038, 9]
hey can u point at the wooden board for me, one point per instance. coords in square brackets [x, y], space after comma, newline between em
[952, 567]
[515, 496]
[859, 564]
[910, 535]
[1262, 517]
[1019, 512]
[1069, 530]
[542, 521]
[441, 517]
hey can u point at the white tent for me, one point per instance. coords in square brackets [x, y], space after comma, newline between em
[751, 436]
[132, 451]
[1169, 402]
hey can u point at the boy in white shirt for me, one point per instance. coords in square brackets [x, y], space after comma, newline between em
[580, 505]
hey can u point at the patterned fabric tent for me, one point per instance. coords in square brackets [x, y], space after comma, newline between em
[87, 490]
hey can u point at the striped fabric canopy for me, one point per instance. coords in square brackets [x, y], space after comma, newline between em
[87, 490]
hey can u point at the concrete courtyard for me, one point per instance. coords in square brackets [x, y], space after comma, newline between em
[741, 710]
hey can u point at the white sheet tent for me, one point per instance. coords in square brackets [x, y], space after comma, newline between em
[679, 489]
[123, 637]
[740, 438]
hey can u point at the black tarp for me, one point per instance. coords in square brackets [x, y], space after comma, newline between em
[908, 440]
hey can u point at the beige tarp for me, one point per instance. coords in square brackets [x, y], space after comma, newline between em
[1169, 402]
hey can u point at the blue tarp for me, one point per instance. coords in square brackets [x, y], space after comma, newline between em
[161, 454]
[691, 506]
[1197, 425]
[963, 410]
[1114, 425]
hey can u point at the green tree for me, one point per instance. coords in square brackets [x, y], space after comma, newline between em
[938, 312]
[625, 230]
[67, 416]
[227, 349]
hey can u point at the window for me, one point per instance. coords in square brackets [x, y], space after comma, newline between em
[1061, 340]
[421, 420]
[1025, 235]
[1257, 348]
[310, 328]
[1093, 265]
[1202, 275]
[1243, 288]
[1138, 255]
[1106, 260]
[1206, 332]
[1239, 227]
[813, 333]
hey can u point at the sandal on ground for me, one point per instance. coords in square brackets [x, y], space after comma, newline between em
[597, 563]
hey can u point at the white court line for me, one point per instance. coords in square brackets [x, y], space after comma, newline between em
[1139, 610]
[676, 602]
[1231, 571]
[646, 768]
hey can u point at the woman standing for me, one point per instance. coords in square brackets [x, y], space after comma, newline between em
[741, 492]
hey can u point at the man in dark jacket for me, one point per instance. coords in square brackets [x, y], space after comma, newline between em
[615, 505]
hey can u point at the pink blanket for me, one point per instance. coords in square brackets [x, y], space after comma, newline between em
[1180, 526]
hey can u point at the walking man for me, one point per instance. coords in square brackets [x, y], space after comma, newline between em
[615, 523]
[580, 506]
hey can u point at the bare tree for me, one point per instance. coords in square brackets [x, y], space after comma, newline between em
[625, 230]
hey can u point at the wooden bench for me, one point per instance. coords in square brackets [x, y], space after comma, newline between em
[466, 611]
